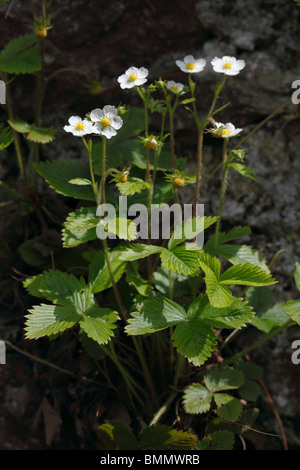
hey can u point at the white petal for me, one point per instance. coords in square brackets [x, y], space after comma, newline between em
[143, 73]
[74, 120]
[139, 81]
[180, 64]
[96, 114]
[240, 64]
[117, 122]
[109, 110]
[109, 132]
[69, 129]
[132, 70]
[189, 58]
[97, 128]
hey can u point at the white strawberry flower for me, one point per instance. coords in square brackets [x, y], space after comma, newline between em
[79, 127]
[225, 130]
[228, 65]
[176, 88]
[106, 121]
[133, 77]
[191, 65]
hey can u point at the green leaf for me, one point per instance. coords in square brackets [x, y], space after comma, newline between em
[219, 296]
[163, 437]
[250, 370]
[189, 229]
[229, 408]
[233, 234]
[246, 274]
[99, 276]
[80, 227]
[223, 378]
[195, 340]
[180, 260]
[122, 227]
[134, 278]
[41, 135]
[45, 320]
[132, 186]
[6, 137]
[297, 275]
[243, 170]
[241, 254]
[196, 399]
[155, 314]
[115, 435]
[236, 315]
[139, 250]
[58, 175]
[292, 309]
[274, 317]
[19, 125]
[80, 181]
[99, 323]
[260, 298]
[221, 440]
[250, 390]
[21, 55]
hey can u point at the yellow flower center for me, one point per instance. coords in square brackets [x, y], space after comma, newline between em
[226, 132]
[174, 88]
[190, 65]
[80, 126]
[133, 77]
[105, 122]
[227, 65]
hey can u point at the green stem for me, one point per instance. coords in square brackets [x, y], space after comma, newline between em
[223, 190]
[163, 409]
[89, 150]
[103, 169]
[179, 369]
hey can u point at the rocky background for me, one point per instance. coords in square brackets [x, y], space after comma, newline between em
[104, 39]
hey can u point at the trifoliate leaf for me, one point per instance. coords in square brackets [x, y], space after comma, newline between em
[240, 254]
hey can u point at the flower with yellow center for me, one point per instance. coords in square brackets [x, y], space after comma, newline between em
[133, 77]
[225, 130]
[228, 65]
[176, 88]
[79, 127]
[191, 65]
[106, 121]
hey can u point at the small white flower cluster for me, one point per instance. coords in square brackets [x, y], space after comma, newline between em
[104, 122]
[227, 65]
